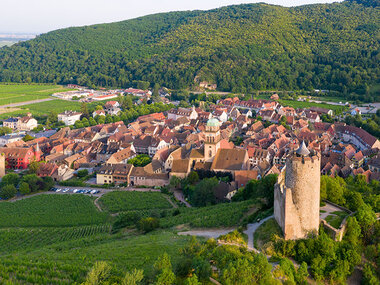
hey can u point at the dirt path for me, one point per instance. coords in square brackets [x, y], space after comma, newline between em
[26, 103]
[251, 228]
[208, 233]
[170, 201]
[179, 196]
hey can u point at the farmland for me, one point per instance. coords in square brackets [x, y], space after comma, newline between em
[51, 211]
[16, 93]
[221, 215]
[119, 201]
[68, 262]
[42, 108]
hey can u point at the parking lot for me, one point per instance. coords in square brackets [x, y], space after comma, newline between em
[76, 190]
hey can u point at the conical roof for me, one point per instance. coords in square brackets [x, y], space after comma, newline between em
[302, 150]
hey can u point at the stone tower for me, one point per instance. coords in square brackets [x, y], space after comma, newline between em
[297, 194]
[2, 165]
[212, 139]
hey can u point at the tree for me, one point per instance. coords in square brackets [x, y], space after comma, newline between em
[5, 130]
[52, 117]
[366, 217]
[192, 280]
[48, 183]
[133, 278]
[193, 177]
[8, 191]
[98, 274]
[24, 188]
[148, 224]
[203, 193]
[10, 179]
[34, 166]
[35, 182]
[82, 173]
[163, 268]
[140, 160]
[155, 93]
[27, 138]
[84, 110]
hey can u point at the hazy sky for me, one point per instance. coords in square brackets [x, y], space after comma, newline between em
[39, 16]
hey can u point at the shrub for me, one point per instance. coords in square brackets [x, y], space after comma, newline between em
[8, 191]
[148, 224]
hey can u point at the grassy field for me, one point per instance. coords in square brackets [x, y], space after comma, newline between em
[43, 108]
[16, 93]
[68, 262]
[265, 232]
[121, 201]
[300, 104]
[51, 211]
[336, 218]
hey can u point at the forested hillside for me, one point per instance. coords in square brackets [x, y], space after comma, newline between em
[241, 48]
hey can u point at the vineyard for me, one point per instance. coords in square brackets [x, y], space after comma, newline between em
[121, 201]
[221, 215]
[51, 211]
[68, 262]
[19, 239]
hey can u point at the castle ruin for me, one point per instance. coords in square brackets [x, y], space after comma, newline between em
[297, 194]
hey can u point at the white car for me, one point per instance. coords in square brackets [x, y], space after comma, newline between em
[58, 190]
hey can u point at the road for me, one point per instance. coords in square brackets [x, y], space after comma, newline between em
[26, 103]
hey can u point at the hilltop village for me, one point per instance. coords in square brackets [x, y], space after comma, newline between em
[244, 139]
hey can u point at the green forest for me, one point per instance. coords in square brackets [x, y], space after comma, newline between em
[241, 48]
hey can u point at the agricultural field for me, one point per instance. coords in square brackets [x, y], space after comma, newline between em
[121, 201]
[16, 93]
[51, 211]
[221, 215]
[42, 108]
[300, 104]
[20, 239]
[68, 262]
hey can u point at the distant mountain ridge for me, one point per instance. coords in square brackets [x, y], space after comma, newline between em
[240, 48]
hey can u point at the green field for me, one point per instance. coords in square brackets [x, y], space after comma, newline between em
[56, 239]
[221, 215]
[300, 104]
[43, 108]
[16, 93]
[68, 262]
[51, 211]
[121, 201]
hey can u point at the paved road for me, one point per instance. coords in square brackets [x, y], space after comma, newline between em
[26, 103]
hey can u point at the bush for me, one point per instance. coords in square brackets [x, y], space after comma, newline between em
[24, 188]
[125, 220]
[8, 191]
[82, 173]
[148, 224]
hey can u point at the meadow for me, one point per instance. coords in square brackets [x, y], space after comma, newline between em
[16, 93]
[51, 211]
[121, 201]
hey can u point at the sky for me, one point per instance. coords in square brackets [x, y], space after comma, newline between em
[40, 16]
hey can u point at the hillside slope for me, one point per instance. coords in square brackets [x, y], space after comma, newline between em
[241, 48]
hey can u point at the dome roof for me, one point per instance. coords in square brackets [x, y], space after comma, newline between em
[213, 122]
[302, 150]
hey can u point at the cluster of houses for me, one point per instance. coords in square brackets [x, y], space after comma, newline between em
[83, 94]
[26, 123]
[191, 139]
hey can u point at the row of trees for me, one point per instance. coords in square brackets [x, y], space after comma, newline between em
[12, 183]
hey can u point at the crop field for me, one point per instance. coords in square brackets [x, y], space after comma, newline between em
[16, 93]
[20, 239]
[68, 262]
[221, 215]
[300, 104]
[121, 201]
[51, 211]
[42, 108]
